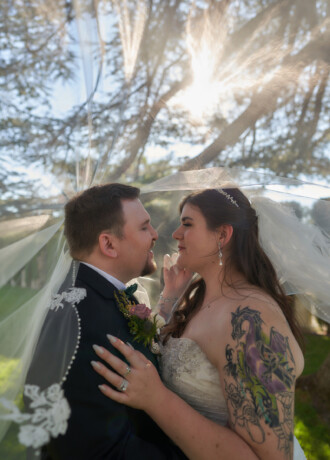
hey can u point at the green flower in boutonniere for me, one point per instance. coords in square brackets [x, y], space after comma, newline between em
[142, 322]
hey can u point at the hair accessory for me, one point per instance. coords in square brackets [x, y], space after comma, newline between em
[220, 254]
[229, 197]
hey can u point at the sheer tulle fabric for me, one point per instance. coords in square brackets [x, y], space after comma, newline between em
[299, 251]
[301, 256]
[301, 259]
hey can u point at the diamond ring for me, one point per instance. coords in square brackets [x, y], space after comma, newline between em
[128, 371]
[123, 385]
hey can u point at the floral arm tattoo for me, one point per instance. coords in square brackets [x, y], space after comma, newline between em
[260, 379]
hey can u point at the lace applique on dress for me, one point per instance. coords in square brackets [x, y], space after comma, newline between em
[179, 360]
[50, 415]
[187, 372]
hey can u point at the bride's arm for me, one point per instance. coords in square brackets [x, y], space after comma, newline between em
[198, 437]
[165, 306]
[257, 374]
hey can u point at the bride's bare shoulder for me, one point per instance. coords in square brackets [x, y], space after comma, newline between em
[254, 298]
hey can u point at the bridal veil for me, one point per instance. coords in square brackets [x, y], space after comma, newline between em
[38, 297]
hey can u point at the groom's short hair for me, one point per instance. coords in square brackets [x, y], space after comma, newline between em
[93, 211]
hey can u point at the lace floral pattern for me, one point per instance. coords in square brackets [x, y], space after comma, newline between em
[179, 358]
[48, 410]
[186, 370]
[72, 296]
[49, 417]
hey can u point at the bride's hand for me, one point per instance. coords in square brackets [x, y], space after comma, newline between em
[176, 278]
[138, 385]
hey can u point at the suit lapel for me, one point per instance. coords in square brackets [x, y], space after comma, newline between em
[107, 290]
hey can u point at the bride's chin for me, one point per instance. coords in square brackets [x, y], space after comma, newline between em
[181, 264]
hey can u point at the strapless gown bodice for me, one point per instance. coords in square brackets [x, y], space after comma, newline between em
[186, 370]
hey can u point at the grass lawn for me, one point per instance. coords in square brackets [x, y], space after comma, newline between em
[12, 297]
[311, 430]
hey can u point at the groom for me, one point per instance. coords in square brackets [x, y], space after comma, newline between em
[109, 232]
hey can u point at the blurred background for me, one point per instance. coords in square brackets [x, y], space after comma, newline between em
[134, 90]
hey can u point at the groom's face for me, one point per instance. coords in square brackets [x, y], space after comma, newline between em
[139, 237]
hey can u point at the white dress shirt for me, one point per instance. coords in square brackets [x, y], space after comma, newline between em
[117, 283]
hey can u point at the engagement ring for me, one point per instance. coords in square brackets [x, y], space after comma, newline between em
[123, 386]
[128, 371]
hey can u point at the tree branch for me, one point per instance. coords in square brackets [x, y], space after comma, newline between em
[258, 108]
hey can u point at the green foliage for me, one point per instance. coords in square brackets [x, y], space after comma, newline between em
[10, 449]
[143, 330]
[12, 297]
[311, 430]
[271, 112]
[317, 349]
[320, 214]
[7, 367]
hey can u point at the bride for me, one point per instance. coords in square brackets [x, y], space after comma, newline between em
[231, 351]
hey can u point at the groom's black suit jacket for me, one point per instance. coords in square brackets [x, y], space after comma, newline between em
[100, 428]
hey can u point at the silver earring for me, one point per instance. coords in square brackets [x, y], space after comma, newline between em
[220, 255]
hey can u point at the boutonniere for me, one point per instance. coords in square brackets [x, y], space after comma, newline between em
[143, 323]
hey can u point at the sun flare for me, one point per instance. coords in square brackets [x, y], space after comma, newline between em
[205, 38]
[225, 77]
[199, 99]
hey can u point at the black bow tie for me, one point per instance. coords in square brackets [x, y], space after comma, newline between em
[129, 291]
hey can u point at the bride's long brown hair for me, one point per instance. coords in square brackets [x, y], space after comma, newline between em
[247, 256]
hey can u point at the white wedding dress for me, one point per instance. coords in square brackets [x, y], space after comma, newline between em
[186, 371]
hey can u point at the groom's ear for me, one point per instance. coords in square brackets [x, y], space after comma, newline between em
[107, 245]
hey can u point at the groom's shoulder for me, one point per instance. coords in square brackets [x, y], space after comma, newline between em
[94, 283]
